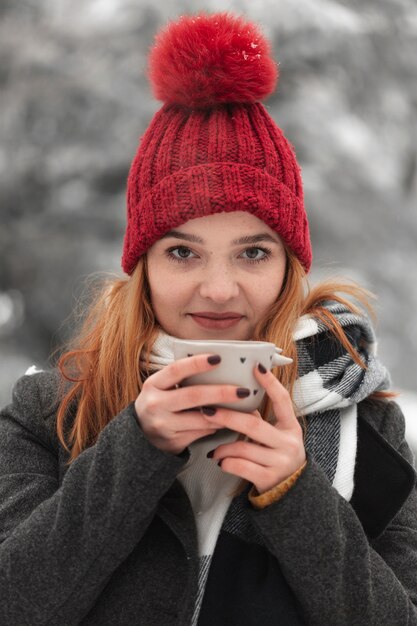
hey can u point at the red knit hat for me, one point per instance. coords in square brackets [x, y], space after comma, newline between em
[213, 147]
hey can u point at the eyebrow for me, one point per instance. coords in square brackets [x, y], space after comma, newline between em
[247, 239]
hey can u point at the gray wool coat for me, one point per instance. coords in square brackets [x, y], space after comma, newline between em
[112, 540]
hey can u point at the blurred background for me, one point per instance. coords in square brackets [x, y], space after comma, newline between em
[75, 101]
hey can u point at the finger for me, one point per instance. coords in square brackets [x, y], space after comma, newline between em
[246, 450]
[175, 372]
[201, 395]
[189, 436]
[182, 422]
[286, 457]
[247, 424]
[192, 422]
[281, 399]
[247, 470]
[178, 444]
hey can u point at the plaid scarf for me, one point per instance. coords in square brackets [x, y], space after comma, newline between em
[328, 388]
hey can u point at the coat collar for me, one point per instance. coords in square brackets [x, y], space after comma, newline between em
[383, 480]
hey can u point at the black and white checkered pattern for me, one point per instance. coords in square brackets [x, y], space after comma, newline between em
[327, 371]
[329, 386]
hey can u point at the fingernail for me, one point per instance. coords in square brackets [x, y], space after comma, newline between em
[219, 463]
[208, 410]
[261, 368]
[214, 359]
[242, 392]
[210, 454]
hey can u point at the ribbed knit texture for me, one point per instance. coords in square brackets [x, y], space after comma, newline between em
[228, 155]
[196, 163]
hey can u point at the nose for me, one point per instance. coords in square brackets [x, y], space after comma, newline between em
[219, 284]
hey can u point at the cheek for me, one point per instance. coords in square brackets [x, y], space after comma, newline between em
[265, 289]
[167, 293]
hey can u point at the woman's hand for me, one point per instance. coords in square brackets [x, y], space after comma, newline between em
[171, 418]
[274, 452]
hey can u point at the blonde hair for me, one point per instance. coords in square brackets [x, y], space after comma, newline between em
[102, 360]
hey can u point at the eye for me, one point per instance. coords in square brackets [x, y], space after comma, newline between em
[255, 255]
[181, 254]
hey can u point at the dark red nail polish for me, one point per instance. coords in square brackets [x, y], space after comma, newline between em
[210, 454]
[261, 368]
[242, 392]
[208, 410]
[214, 359]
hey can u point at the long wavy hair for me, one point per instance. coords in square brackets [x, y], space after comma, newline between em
[100, 373]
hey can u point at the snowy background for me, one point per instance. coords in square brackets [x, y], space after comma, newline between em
[74, 102]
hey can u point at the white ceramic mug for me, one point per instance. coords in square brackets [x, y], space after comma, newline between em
[238, 359]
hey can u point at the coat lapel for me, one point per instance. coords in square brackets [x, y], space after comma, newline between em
[175, 510]
[383, 480]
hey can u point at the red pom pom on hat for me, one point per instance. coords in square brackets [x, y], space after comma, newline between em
[203, 60]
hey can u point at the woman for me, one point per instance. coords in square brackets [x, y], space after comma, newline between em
[126, 499]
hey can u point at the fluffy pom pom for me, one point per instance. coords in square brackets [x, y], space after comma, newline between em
[204, 60]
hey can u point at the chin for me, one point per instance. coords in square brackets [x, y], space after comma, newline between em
[226, 335]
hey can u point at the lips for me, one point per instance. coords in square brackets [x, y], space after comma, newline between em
[207, 319]
[217, 316]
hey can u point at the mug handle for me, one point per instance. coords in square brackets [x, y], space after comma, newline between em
[278, 359]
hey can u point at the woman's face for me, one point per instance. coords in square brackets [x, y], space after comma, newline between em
[214, 277]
